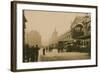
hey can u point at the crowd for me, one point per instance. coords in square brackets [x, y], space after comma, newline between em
[30, 54]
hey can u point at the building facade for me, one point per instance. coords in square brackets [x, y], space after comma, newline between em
[81, 31]
[78, 38]
[81, 26]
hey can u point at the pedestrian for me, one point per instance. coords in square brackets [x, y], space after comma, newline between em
[32, 54]
[43, 51]
[25, 53]
[29, 53]
[36, 50]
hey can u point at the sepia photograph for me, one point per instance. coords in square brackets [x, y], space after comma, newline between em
[56, 36]
[47, 36]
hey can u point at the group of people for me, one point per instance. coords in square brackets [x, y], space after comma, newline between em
[30, 54]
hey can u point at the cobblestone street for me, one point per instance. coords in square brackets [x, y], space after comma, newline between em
[55, 56]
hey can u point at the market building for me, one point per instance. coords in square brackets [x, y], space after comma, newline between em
[81, 31]
[79, 35]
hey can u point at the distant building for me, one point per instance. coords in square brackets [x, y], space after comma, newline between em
[33, 38]
[54, 39]
[65, 40]
[66, 37]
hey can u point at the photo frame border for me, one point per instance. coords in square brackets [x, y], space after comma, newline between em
[14, 35]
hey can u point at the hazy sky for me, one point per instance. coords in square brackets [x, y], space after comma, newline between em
[45, 22]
